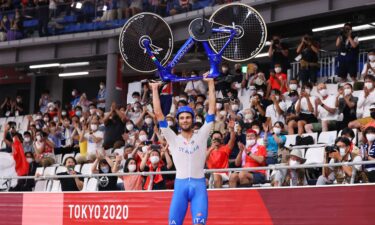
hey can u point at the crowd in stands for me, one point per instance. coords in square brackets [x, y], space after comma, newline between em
[255, 113]
[19, 19]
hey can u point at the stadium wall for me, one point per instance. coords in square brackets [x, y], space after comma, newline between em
[318, 205]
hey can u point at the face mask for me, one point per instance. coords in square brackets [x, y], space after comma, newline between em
[323, 92]
[248, 116]
[154, 159]
[38, 117]
[105, 169]
[293, 87]
[101, 86]
[182, 99]
[342, 152]
[257, 130]
[277, 130]
[143, 138]
[73, 93]
[148, 121]
[370, 137]
[277, 98]
[29, 160]
[37, 127]
[136, 108]
[234, 107]
[293, 162]
[18, 100]
[237, 86]
[46, 119]
[129, 127]
[63, 113]
[223, 113]
[260, 93]
[198, 120]
[94, 127]
[347, 92]
[368, 85]
[56, 119]
[258, 81]
[199, 110]
[170, 123]
[218, 106]
[294, 98]
[307, 91]
[371, 57]
[92, 111]
[250, 142]
[38, 138]
[144, 149]
[135, 99]
[277, 69]
[78, 113]
[27, 139]
[132, 168]
[98, 114]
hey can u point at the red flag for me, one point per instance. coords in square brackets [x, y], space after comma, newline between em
[22, 166]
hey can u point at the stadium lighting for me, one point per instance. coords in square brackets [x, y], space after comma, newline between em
[364, 27]
[78, 5]
[84, 73]
[331, 27]
[104, 8]
[261, 55]
[44, 65]
[75, 64]
[366, 38]
[268, 43]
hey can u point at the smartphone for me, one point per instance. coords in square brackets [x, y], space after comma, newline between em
[244, 69]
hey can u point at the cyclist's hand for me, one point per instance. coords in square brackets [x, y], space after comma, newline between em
[206, 78]
[154, 85]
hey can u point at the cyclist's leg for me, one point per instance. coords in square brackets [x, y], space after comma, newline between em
[179, 203]
[199, 201]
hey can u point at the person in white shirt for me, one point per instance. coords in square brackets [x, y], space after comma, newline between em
[275, 112]
[195, 87]
[325, 109]
[93, 136]
[305, 108]
[189, 155]
[369, 67]
[365, 99]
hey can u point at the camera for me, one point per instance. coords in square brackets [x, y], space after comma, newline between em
[330, 149]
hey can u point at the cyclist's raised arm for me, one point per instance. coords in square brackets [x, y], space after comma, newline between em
[211, 94]
[156, 101]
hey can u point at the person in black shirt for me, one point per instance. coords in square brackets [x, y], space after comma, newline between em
[28, 184]
[309, 50]
[114, 126]
[71, 184]
[10, 131]
[279, 53]
[106, 183]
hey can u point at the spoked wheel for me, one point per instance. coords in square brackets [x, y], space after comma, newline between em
[251, 32]
[141, 27]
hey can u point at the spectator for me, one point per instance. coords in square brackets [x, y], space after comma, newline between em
[104, 165]
[93, 136]
[348, 50]
[369, 67]
[10, 131]
[308, 49]
[44, 149]
[43, 101]
[101, 96]
[365, 100]
[131, 182]
[122, 9]
[16, 29]
[195, 87]
[28, 142]
[76, 97]
[349, 134]
[4, 27]
[19, 107]
[325, 109]
[273, 142]
[275, 112]
[279, 54]
[291, 116]
[258, 107]
[114, 126]
[151, 161]
[293, 86]
[341, 174]
[28, 184]
[253, 155]
[43, 16]
[305, 108]
[347, 105]
[277, 81]
[291, 177]
[84, 102]
[135, 7]
[71, 184]
[368, 152]
[6, 107]
[221, 84]
[217, 156]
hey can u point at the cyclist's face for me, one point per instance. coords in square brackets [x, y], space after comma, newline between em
[185, 121]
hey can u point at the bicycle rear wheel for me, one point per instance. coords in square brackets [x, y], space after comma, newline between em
[145, 26]
[252, 33]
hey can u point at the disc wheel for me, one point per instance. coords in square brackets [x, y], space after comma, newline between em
[141, 27]
[251, 32]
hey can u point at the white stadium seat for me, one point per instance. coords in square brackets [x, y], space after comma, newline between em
[327, 137]
[90, 185]
[314, 155]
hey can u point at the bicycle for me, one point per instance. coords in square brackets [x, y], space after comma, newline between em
[235, 32]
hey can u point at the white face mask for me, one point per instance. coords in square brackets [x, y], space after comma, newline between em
[277, 69]
[148, 121]
[342, 152]
[46, 119]
[347, 91]
[73, 93]
[105, 169]
[56, 119]
[170, 123]
[234, 107]
[237, 86]
[94, 127]
[182, 99]
[218, 106]
[132, 167]
[293, 163]
[250, 142]
[135, 99]
[101, 86]
[277, 130]
[307, 91]
[371, 57]
[223, 113]
[370, 137]
[323, 92]
[27, 139]
[224, 69]
[144, 149]
[130, 156]
[293, 87]
[129, 127]
[198, 120]
[143, 138]
[154, 159]
[368, 85]
[248, 116]
[29, 160]
[260, 93]
[63, 113]
[92, 111]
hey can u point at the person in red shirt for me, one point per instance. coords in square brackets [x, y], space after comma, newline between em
[217, 156]
[277, 80]
[251, 155]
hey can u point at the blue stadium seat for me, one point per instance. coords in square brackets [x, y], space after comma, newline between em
[30, 23]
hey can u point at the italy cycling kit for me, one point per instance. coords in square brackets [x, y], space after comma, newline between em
[189, 158]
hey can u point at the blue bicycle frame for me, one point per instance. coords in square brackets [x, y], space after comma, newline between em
[214, 58]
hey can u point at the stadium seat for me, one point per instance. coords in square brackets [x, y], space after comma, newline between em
[30, 23]
[314, 155]
[90, 185]
[327, 137]
[78, 167]
[61, 169]
[314, 135]
[2, 123]
[290, 140]
[86, 168]
[49, 171]
[56, 186]
[40, 185]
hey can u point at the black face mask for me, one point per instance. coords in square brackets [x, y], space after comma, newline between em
[372, 114]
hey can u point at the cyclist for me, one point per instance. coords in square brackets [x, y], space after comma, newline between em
[189, 155]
